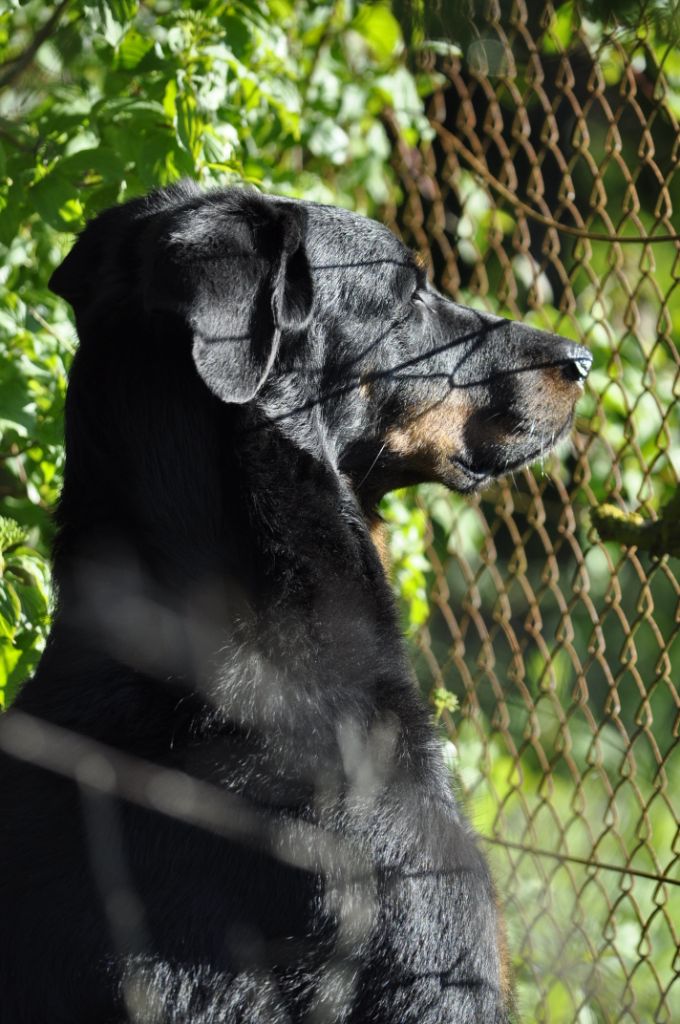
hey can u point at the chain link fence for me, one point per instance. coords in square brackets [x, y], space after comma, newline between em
[549, 191]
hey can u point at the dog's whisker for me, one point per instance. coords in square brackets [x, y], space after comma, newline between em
[372, 466]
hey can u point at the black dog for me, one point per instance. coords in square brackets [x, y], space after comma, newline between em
[228, 803]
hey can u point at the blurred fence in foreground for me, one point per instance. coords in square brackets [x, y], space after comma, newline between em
[550, 191]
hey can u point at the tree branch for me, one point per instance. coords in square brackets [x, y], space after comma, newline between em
[659, 537]
[11, 70]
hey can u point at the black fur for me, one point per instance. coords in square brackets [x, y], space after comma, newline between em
[253, 375]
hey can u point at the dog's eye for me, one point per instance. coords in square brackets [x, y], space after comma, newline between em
[419, 297]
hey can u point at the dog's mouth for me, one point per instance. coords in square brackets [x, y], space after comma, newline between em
[475, 470]
[480, 456]
[476, 477]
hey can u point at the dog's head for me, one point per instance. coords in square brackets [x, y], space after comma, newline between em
[323, 325]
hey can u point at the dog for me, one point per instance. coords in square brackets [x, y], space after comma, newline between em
[223, 799]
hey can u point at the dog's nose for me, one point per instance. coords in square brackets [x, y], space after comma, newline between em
[578, 361]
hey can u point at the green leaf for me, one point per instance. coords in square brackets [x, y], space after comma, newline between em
[123, 10]
[188, 122]
[17, 662]
[329, 140]
[132, 50]
[559, 35]
[236, 34]
[9, 658]
[377, 25]
[115, 16]
[11, 534]
[10, 609]
[56, 200]
[87, 166]
[17, 405]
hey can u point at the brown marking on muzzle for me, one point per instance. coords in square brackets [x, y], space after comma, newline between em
[562, 392]
[431, 436]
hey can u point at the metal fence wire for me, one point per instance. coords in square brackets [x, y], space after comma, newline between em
[549, 191]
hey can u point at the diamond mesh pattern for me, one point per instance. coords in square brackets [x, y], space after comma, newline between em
[549, 191]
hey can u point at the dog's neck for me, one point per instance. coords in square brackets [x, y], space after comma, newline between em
[210, 530]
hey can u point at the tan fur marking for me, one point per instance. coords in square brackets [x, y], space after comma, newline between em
[562, 393]
[378, 532]
[366, 385]
[433, 435]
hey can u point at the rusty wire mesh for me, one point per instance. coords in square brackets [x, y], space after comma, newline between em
[549, 192]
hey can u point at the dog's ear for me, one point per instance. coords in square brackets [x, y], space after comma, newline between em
[73, 278]
[89, 270]
[234, 267]
[103, 265]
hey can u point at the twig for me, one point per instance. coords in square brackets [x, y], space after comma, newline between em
[46, 326]
[8, 134]
[15, 450]
[596, 865]
[595, 236]
[12, 69]
[658, 536]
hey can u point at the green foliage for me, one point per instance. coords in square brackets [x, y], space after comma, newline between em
[407, 529]
[24, 607]
[444, 700]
